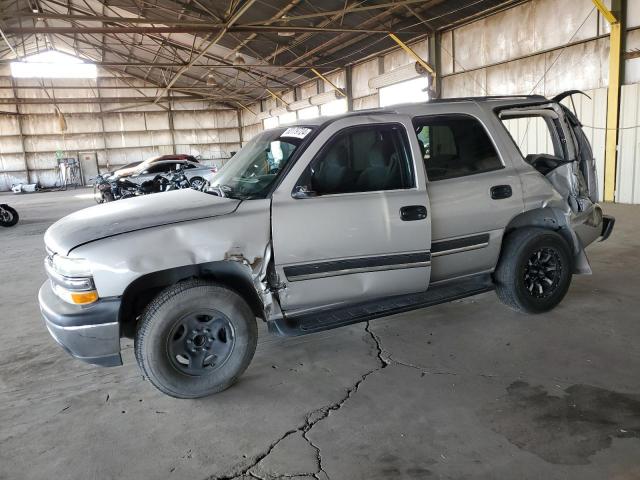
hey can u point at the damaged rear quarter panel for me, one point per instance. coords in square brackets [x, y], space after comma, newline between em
[119, 260]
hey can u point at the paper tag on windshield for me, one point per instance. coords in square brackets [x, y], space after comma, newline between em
[296, 132]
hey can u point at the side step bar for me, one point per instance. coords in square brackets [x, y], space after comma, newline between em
[289, 326]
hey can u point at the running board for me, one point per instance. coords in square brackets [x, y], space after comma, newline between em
[291, 326]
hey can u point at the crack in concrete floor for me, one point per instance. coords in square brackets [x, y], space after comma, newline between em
[311, 419]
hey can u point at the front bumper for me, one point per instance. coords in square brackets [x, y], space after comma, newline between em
[90, 333]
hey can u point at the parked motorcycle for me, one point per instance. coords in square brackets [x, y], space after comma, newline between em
[8, 216]
[109, 189]
[177, 180]
[102, 190]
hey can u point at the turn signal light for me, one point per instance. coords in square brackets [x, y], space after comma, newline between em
[84, 298]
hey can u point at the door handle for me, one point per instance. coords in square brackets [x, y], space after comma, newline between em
[413, 212]
[499, 192]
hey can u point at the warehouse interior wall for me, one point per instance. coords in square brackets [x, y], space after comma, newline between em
[33, 134]
[538, 47]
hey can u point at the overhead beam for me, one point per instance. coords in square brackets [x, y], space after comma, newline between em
[234, 18]
[180, 29]
[84, 100]
[350, 9]
[112, 19]
[182, 64]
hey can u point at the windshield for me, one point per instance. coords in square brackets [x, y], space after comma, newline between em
[254, 169]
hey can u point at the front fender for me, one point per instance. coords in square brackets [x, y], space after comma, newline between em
[120, 260]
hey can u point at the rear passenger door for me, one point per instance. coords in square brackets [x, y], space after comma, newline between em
[350, 221]
[473, 192]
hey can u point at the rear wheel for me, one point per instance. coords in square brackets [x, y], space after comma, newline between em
[195, 339]
[197, 183]
[534, 271]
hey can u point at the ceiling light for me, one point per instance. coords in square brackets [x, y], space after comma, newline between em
[238, 60]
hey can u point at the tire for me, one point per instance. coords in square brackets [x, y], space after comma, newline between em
[9, 217]
[197, 183]
[195, 339]
[97, 194]
[534, 271]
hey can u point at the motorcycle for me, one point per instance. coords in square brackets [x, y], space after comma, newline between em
[8, 216]
[102, 190]
[177, 180]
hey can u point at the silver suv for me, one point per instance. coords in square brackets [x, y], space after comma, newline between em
[324, 224]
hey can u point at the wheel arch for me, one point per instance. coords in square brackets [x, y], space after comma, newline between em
[142, 290]
[550, 218]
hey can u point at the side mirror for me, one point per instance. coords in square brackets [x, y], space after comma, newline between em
[302, 191]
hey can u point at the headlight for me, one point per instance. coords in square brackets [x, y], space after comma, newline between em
[71, 267]
[71, 279]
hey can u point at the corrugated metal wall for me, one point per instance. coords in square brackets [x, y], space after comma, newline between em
[628, 166]
[29, 141]
[541, 46]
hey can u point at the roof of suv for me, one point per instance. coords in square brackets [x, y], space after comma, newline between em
[494, 101]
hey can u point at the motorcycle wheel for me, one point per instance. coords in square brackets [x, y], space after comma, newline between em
[197, 183]
[8, 216]
[97, 194]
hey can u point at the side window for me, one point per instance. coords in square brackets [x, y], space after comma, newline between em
[362, 159]
[533, 135]
[455, 146]
[158, 168]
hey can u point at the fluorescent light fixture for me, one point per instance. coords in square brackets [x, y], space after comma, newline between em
[326, 97]
[299, 105]
[401, 74]
[276, 112]
[53, 64]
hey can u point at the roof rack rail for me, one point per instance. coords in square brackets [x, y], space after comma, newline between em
[487, 98]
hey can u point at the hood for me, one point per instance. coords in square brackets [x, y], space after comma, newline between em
[131, 214]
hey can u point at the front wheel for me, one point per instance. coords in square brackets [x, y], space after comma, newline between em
[197, 183]
[195, 339]
[534, 271]
[8, 216]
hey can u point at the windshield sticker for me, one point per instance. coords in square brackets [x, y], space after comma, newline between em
[296, 132]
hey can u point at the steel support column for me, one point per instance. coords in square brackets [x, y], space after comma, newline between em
[171, 127]
[21, 131]
[435, 59]
[348, 80]
[613, 98]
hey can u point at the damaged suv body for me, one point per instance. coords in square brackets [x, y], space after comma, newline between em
[324, 224]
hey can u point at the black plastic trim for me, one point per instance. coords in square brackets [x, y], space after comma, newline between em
[456, 243]
[361, 312]
[355, 264]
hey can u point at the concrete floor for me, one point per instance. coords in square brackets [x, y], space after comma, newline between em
[463, 390]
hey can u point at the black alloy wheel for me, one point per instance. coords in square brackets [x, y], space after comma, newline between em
[542, 272]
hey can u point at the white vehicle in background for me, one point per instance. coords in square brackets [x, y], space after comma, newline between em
[197, 173]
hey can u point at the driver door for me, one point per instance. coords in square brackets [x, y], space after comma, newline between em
[351, 221]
